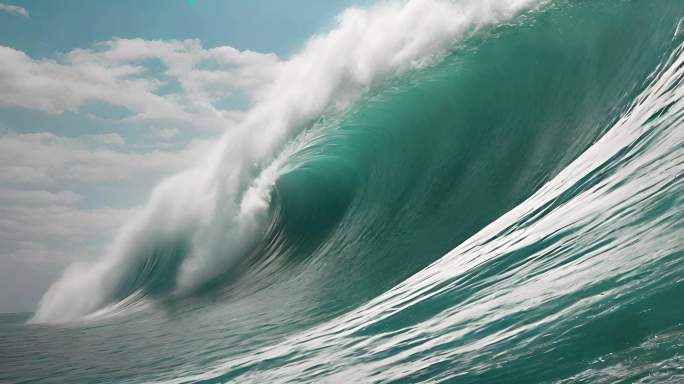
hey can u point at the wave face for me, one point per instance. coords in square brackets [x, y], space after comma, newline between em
[484, 191]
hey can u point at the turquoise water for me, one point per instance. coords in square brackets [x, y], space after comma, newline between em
[509, 214]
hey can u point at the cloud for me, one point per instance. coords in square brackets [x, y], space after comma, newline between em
[55, 233]
[104, 139]
[119, 72]
[165, 133]
[40, 178]
[49, 215]
[33, 198]
[13, 9]
[45, 159]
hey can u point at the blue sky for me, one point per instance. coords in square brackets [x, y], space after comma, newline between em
[259, 25]
[100, 100]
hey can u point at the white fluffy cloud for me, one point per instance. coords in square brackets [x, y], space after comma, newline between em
[188, 90]
[16, 197]
[13, 9]
[44, 159]
[56, 233]
[41, 178]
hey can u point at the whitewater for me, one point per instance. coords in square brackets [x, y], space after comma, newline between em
[432, 191]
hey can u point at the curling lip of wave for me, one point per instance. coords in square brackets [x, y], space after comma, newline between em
[209, 234]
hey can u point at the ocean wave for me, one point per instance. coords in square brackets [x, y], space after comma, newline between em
[433, 191]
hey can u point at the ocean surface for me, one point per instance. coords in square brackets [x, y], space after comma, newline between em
[431, 192]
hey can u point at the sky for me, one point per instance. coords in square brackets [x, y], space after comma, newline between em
[101, 100]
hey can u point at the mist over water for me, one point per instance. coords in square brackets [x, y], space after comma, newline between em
[433, 191]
